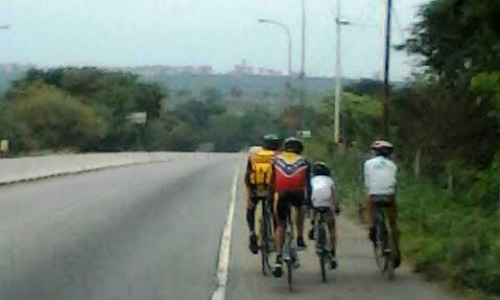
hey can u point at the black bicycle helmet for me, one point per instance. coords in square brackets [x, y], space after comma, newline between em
[294, 145]
[320, 168]
[272, 142]
[382, 147]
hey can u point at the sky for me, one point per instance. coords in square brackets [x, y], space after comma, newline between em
[220, 33]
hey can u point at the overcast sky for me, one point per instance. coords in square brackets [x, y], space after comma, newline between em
[220, 33]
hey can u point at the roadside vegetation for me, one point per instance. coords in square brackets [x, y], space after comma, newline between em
[445, 124]
[89, 109]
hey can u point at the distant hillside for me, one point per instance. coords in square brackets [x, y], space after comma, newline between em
[249, 89]
[239, 90]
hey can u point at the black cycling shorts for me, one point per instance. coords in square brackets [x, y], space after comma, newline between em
[284, 199]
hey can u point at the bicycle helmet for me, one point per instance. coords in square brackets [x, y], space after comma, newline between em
[272, 142]
[321, 169]
[254, 149]
[294, 145]
[382, 147]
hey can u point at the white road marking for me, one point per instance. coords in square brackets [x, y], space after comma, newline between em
[225, 246]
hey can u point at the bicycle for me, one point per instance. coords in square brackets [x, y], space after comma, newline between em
[266, 236]
[321, 243]
[384, 248]
[289, 252]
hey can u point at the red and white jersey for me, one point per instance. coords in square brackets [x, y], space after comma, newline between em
[290, 172]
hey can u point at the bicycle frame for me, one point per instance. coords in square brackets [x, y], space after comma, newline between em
[384, 244]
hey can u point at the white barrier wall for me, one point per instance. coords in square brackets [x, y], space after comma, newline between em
[14, 170]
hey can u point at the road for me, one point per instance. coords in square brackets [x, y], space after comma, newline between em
[153, 232]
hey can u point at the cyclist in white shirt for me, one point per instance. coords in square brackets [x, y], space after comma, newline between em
[379, 175]
[323, 194]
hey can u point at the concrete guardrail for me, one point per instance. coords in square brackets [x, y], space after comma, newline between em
[14, 170]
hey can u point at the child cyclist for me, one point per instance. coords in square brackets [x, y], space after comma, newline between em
[324, 195]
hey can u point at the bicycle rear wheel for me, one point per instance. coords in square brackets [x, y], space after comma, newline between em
[390, 256]
[291, 254]
[265, 247]
[389, 267]
[378, 247]
[289, 279]
[321, 242]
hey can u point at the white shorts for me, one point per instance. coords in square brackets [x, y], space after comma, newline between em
[322, 198]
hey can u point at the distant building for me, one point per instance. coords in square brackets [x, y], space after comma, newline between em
[242, 69]
[269, 72]
[204, 70]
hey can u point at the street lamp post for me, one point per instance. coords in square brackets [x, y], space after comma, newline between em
[289, 36]
[302, 68]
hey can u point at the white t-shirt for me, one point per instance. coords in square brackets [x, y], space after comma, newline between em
[321, 195]
[380, 176]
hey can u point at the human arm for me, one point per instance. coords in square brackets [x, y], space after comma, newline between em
[308, 185]
[248, 171]
[366, 175]
[335, 198]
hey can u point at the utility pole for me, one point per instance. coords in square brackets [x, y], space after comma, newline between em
[338, 75]
[387, 63]
[302, 69]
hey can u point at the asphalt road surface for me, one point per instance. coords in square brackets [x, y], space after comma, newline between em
[153, 232]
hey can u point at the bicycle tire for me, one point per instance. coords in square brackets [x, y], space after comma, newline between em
[291, 253]
[264, 246]
[322, 263]
[264, 254]
[321, 253]
[389, 259]
[379, 248]
[289, 267]
[389, 268]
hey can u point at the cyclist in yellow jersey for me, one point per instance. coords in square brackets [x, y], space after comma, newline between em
[257, 182]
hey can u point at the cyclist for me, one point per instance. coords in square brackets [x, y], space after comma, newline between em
[290, 186]
[324, 195]
[379, 175]
[258, 180]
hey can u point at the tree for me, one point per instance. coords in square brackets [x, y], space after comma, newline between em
[114, 96]
[52, 118]
[365, 86]
[458, 38]
[236, 92]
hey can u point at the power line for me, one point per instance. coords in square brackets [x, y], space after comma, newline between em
[364, 23]
[397, 21]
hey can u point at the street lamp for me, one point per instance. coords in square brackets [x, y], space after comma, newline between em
[303, 69]
[289, 36]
